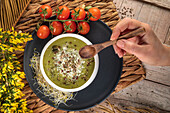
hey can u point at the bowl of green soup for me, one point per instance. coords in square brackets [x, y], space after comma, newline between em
[63, 68]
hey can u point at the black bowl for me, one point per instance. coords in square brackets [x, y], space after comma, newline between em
[110, 67]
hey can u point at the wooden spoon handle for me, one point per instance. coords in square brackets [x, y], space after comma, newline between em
[103, 45]
[133, 33]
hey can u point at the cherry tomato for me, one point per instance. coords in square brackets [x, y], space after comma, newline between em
[83, 28]
[49, 11]
[43, 32]
[81, 14]
[95, 13]
[57, 28]
[64, 14]
[72, 25]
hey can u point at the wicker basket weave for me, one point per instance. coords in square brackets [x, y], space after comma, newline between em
[133, 70]
[11, 11]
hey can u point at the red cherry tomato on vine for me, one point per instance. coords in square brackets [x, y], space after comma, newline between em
[81, 14]
[57, 28]
[43, 32]
[95, 13]
[48, 9]
[69, 26]
[83, 28]
[63, 15]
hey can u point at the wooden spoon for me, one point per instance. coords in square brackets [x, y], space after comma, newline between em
[90, 51]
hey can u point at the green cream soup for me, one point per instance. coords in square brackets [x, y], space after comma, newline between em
[64, 66]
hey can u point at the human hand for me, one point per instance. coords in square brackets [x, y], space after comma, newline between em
[147, 47]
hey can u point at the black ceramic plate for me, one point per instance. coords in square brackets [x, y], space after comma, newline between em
[110, 67]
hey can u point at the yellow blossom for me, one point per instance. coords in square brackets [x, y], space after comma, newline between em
[2, 110]
[8, 32]
[13, 108]
[3, 48]
[3, 32]
[15, 33]
[4, 88]
[12, 28]
[18, 68]
[24, 108]
[22, 75]
[17, 62]
[4, 68]
[4, 74]
[5, 104]
[21, 34]
[9, 67]
[30, 36]
[2, 60]
[22, 85]
[20, 111]
[12, 82]
[12, 37]
[14, 104]
[18, 72]
[13, 55]
[15, 76]
[1, 90]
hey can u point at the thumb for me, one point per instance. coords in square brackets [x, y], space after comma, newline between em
[129, 46]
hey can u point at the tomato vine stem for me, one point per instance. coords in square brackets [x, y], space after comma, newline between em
[46, 20]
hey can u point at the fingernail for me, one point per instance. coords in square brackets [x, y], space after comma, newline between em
[124, 53]
[115, 51]
[112, 37]
[120, 56]
[121, 43]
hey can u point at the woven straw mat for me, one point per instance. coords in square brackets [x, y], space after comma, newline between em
[133, 70]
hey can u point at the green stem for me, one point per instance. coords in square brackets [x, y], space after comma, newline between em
[65, 20]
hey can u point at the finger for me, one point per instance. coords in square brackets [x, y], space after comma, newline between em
[116, 48]
[124, 52]
[115, 34]
[130, 47]
[134, 39]
[121, 53]
[118, 51]
[126, 23]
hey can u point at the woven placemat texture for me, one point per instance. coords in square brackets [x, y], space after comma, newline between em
[11, 11]
[133, 70]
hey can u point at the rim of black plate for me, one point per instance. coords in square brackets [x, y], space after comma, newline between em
[101, 100]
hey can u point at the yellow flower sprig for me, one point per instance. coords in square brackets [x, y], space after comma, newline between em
[10, 72]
